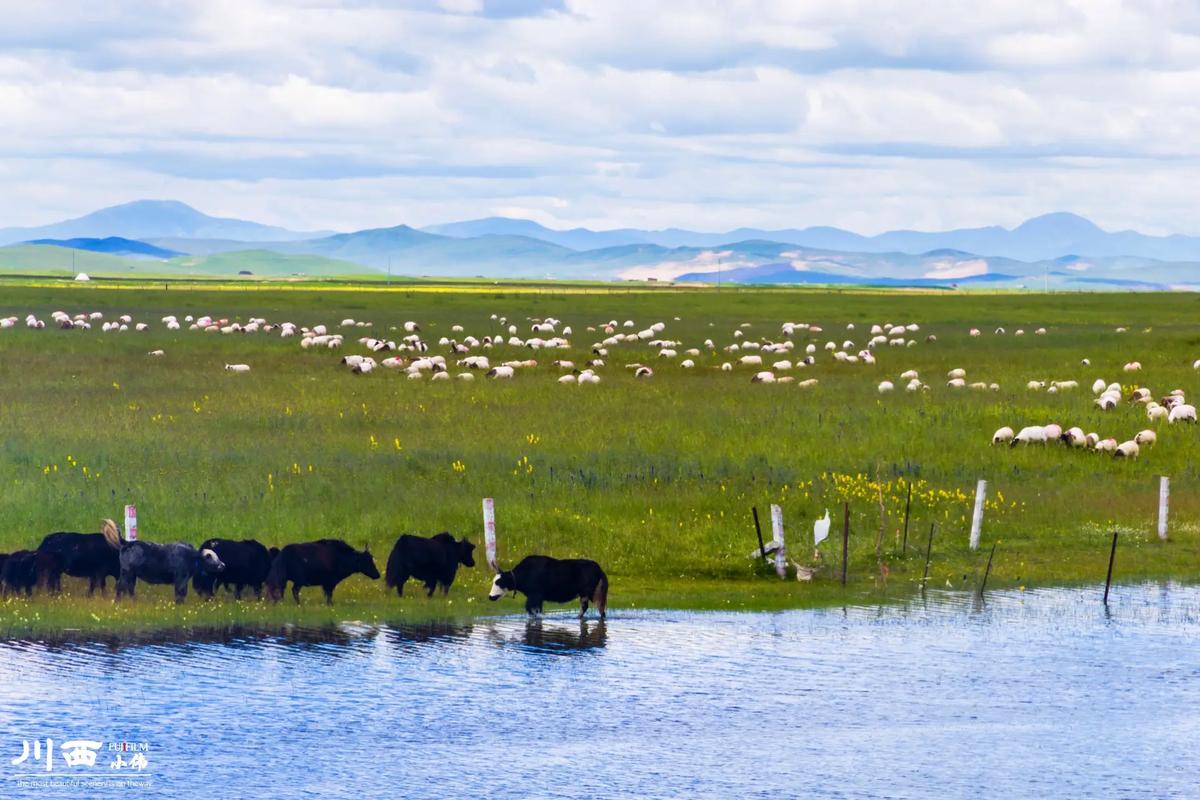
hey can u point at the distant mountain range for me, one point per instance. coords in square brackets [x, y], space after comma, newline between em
[170, 238]
[1045, 237]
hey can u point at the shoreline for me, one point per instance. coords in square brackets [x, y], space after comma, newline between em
[82, 619]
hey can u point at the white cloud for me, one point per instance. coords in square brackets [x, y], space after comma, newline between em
[868, 114]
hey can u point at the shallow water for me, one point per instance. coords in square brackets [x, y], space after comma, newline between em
[1028, 693]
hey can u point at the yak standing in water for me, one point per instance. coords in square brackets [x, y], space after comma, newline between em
[174, 563]
[324, 563]
[80, 555]
[246, 565]
[542, 578]
[434, 561]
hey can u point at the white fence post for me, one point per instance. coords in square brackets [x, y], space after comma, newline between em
[131, 523]
[489, 531]
[780, 548]
[1164, 495]
[977, 517]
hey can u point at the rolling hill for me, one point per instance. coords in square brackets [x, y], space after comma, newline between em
[150, 219]
[113, 245]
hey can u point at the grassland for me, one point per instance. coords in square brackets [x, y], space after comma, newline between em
[653, 478]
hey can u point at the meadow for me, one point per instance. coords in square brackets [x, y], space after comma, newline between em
[653, 478]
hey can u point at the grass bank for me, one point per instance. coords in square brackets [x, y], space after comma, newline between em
[652, 478]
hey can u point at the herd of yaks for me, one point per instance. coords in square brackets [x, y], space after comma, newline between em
[249, 564]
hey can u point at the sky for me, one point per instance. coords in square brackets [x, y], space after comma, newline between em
[606, 113]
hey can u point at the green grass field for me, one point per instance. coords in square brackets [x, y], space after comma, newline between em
[653, 478]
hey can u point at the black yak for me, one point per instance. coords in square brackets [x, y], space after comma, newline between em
[433, 561]
[542, 578]
[173, 563]
[246, 565]
[324, 563]
[19, 573]
[80, 555]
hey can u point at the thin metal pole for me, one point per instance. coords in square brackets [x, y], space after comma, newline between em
[928, 555]
[845, 541]
[1111, 556]
[762, 548]
[987, 571]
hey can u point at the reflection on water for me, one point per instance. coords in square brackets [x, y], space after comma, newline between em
[1023, 693]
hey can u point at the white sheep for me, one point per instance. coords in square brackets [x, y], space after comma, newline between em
[1146, 437]
[1128, 449]
[763, 377]
[237, 367]
[501, 372]
[1182, 413]
[1002, 435]
[1074, 437]
[1032, 434]
[886, 386]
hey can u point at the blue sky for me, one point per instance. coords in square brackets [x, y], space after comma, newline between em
[606, 113]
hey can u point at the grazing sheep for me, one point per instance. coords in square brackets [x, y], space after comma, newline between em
[1002, 435]
[1146, 437]
[1099, 386]
[1033, 434]
[687, 363]
[1182, 413]
[643, 372]
[1155, 412]
[885, 386]
[1106, 446]
[501, 372]
[763, 377]
[956, 373]
[1132, 366]
[1128, 449]
[956, 383]
[1053, 432]
[1074, 437]
[751, 361]
[237, 367]
[155, 353]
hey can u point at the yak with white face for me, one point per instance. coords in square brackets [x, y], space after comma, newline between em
[542, 578]
[174, 563]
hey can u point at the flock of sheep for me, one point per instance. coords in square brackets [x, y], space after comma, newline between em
[1173, 408]
[768, 359]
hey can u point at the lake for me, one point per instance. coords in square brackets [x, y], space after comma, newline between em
[1040, 692]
